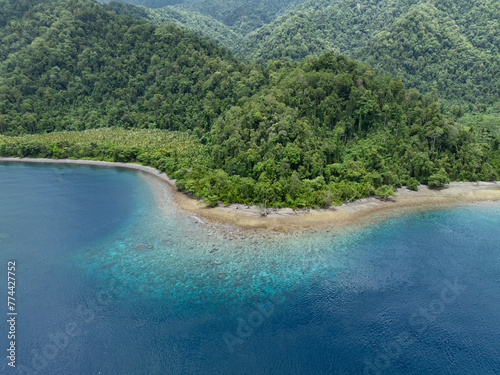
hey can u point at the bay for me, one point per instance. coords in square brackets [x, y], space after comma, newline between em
[113, 279]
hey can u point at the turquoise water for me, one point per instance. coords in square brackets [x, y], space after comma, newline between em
[112, 279]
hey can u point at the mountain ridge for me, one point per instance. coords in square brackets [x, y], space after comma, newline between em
[291, 133]
[314, 26]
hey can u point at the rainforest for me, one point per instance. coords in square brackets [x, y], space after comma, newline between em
[83, 80]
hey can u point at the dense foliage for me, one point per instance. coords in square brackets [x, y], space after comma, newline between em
[344, 132]
[157, 148]
[452, 46]
[239, 16]
[425, 47]
[72, 65]
[299, 134]
[321, 25]
[205, 25]
[148, 3]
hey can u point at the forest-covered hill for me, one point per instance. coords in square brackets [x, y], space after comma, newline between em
[428, 50]
[148, 3]
[70, 65]
[453, 46]
[305, 133]
[240, 16]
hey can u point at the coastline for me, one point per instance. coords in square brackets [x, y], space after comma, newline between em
[288, 220]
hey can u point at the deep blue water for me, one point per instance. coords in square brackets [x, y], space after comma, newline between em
[111, 279]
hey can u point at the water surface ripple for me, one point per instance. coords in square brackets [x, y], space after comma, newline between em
[113, 279]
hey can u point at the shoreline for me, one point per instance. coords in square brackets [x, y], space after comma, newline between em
[289, 220]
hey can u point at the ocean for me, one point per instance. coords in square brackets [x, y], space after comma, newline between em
[111, 278]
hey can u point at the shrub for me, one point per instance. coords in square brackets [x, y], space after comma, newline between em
[412, 184]
[438, 179]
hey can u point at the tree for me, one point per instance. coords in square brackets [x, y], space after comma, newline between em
[438, 179]
[412, 184]
[385, 191]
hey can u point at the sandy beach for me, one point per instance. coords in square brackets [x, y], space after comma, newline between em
[288, 220]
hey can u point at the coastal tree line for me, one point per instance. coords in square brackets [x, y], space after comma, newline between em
[311, 133]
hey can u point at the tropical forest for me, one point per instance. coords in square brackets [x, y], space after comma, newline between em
[279, 103]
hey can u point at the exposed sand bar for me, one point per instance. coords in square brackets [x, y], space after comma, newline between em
[286, 219]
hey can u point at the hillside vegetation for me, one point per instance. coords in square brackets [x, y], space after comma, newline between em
[72, 65]
[302, 134]
[427, 49]
[148, 3]
[239, 16]
[452, 46]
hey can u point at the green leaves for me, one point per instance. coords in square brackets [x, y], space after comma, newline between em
[438, 179]
[304, 134]
[384, 192]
